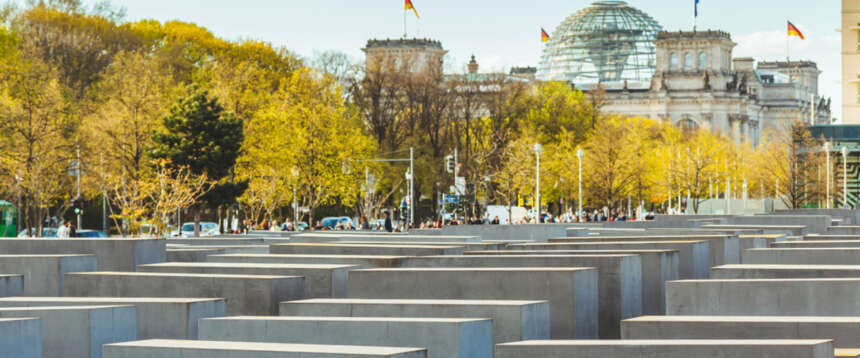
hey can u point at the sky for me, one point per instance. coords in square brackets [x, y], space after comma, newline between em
[503, 33]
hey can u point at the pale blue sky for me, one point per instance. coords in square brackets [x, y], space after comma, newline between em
[501, 33]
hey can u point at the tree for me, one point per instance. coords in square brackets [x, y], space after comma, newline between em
[608, 163]
[699, 161]
[517, 174]
[153, 198]
[558, 109]
[132, 99]
[201, 136]
[789, 158]
[35, 139]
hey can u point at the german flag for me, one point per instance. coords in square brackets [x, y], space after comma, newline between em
[408, 6]
[793, 31]
[544, 37]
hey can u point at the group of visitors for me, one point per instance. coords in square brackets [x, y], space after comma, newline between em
[67, 230]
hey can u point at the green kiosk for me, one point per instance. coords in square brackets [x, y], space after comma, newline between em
[8, 219]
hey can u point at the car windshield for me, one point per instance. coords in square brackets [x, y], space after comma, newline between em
[329, 222]
[188, 227]
[209, 226]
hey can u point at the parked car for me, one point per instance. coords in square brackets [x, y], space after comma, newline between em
[333, 221]
[302, 226]
[46, 232]
[206, 229]
[89, 233]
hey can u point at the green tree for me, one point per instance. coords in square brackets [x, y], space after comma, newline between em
[203, 137]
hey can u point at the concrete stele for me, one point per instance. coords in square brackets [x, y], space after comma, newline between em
[163, 348]
[513, 320]
[572, 292]
[443, 337]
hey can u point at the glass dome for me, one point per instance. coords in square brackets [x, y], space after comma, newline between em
[606, 42]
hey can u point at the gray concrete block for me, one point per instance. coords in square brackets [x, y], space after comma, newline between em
[245, 294]
[619, 279]
[817, 224]
[784, 271]
[848, 216]
[20, 338]
[442, 337]
[469, 246]
[11, 285]
[759, 297]
[749, 348]
[321, 281]
[347, 236]
[227, 249]
[359, 249]
[695, 259]
[513, 320]
[846, 353]
[191, 255]
[658, 266]
[844, 331]
[791, 230]
[43, 274]
[532, 232]
[571, 292]
[79, 331]
[217, 241]
[760, 241]
[113, 253]
[724, 250]
[815, 243]
[362, 261]
[828, 237]
[803, 256]
[163, 348]
[169, 318]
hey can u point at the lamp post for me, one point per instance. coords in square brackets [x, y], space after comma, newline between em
[844, 177]
[295, 172]
[579, 154]
[827, 175]
[537, 148]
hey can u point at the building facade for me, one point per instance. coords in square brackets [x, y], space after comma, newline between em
[417, 55]
[688, 78]
[850, 61]
[698, 83]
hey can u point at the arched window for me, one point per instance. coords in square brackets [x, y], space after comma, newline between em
[688, 60]
[703, 60]
[673, 60]
[687, 125]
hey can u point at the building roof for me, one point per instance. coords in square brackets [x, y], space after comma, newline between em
[695, 35]
[402, 43]
[607, 41]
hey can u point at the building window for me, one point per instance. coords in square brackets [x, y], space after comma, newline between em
[858, 93]
[688, 60]
[673, 60]
[703, 60]
[687, 125]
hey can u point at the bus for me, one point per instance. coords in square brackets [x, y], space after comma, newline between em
[8, 219]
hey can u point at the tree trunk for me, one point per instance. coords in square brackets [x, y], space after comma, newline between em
[196, 222]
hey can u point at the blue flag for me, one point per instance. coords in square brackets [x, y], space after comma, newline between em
[696, 11]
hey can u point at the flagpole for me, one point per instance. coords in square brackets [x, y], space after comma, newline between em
[787, 40]
[404, 23]
[695, 13]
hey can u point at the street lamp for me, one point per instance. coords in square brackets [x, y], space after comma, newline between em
[844, 177]
[579, 154]
[537, 148]
[827, 176]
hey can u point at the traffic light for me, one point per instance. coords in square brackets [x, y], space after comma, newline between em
[449, 164]
[79, 204]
